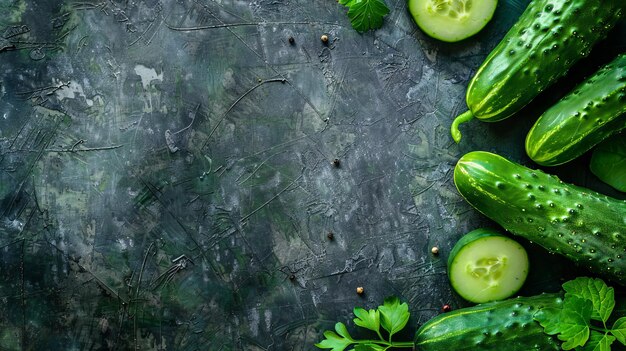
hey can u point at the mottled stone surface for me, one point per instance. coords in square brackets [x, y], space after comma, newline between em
[166, 174]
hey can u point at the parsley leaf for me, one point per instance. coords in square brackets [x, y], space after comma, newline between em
[369, 347]
[393, 315]
[586, 299]
[366, 14]
[601, 296]
[334, 341]
[548, 318]
[574, 322]
[598, 342]
[619, 330]
[367, 319]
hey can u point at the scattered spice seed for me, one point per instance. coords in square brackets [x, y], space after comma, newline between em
[446, 308]
[336, 162]
[330, 236]
[324, 38]
[291, 40]
[434, 250]
[360, 290]
[292, 277]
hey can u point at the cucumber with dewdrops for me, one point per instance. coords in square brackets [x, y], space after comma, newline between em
[581, 317]
[592, 112]
[501, 325]
[546, 41]
[585, 226]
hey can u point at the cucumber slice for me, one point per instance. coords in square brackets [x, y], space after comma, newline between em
[487, 266]
[452, 20]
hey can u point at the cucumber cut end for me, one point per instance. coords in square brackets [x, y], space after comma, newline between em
[487, 266]
[452, 20]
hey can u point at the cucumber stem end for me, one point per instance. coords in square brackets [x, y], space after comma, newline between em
[462, 118]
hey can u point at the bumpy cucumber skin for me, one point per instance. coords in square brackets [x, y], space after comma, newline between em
[595, 110]
[549, 37]
[587, 227]
[502, 325]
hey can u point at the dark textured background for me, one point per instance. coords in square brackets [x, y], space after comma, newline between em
[166, 179]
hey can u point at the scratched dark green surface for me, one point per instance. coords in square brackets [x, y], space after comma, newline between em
[166, 178]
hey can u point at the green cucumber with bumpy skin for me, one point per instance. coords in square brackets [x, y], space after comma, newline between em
[485, 266]
[502, 325]
[587, 227]
[548, 38]
[592, 112]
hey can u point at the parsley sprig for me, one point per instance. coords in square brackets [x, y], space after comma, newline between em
[366, 14]
[581, 322]
[392, 316]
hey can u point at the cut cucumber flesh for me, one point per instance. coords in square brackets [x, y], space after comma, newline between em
[487, 266]
[452, 20]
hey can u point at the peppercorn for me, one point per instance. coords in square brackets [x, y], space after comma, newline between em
[336, 162]
[360, 290]
[324, 38]
[291, 40]
[434, 250]
[446, 308]
[330, 236]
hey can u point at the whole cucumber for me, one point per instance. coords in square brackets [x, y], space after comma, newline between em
[587, 227]
[593, 111]
[502, 325]
[548, 38]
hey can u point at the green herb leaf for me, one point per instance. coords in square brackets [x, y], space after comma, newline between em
[619, 330]
[574, 322]
[334, 341]
[343, 331]
[585, 299]
[608, 162]
[598, 342]
[369, 347]
[393, 315]
[548, 318]
[595, 290]
[366, 14]
[367, 319]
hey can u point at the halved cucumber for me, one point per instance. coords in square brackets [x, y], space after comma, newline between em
[452, 20]
[485, 265]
